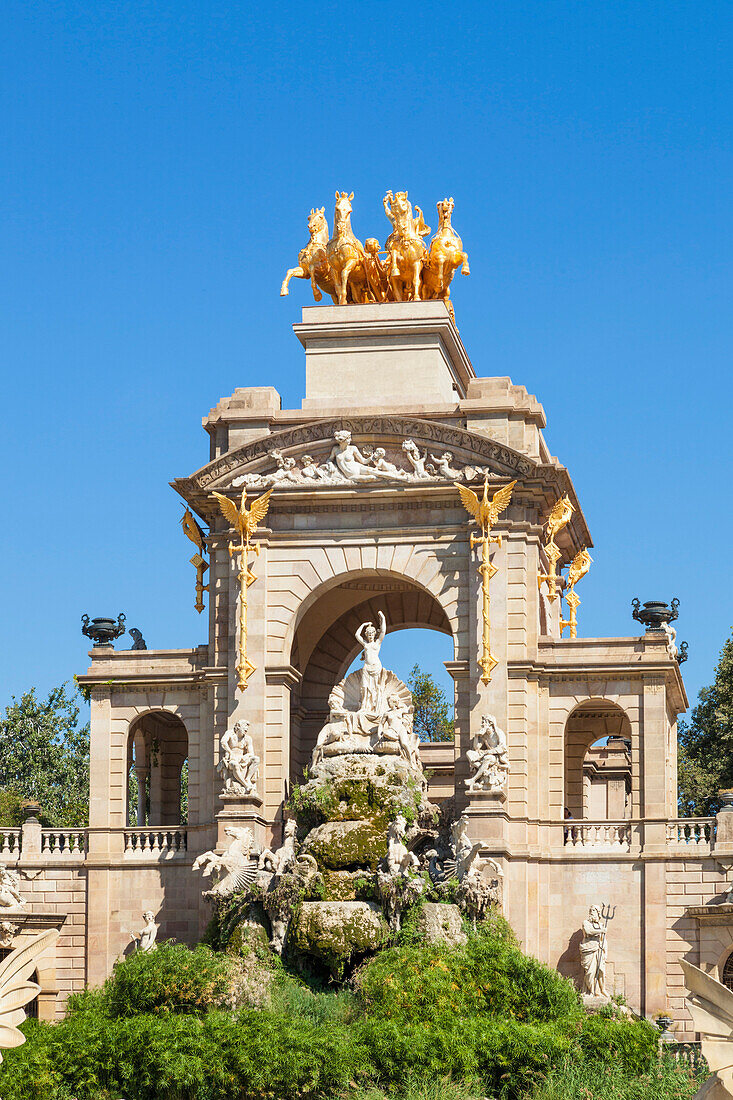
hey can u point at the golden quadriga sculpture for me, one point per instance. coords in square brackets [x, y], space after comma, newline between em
[405, 270]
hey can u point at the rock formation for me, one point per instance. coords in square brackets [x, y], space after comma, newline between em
[361, 844]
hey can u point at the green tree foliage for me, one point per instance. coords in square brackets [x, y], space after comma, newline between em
[44, 755]
[705, 753]
[432, 721]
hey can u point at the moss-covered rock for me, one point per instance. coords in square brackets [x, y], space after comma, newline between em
[437, 922]
[341, 885]
[247, 935]
[347, 845]
[338, 932]
[357, 787]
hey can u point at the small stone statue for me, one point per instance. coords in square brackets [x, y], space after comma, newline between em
[10, 896]
[398, 878]
[138, 642]
[488, 758]
[146, 940]
[396, 725]
[8, 931]
[671, 639]
[400, 861]
[593, 954]
[465, 851]
[334, 729]
[239, 766]
[281, 860]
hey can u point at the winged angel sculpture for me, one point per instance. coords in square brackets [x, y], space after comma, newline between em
[711, 1007]
[16, 991]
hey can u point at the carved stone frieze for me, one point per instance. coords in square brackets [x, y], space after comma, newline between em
[348, 464]
[424, 433]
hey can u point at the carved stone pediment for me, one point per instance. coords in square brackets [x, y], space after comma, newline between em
[417, 450]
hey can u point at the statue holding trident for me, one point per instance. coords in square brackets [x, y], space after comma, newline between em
[593, 950]
[372, 693]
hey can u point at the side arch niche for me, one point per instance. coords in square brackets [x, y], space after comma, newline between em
[157, 749]
[324, 645]
[597, 765]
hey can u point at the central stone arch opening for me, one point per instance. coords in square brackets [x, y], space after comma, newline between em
[324, 645]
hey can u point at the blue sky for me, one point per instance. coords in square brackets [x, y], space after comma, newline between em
[157, 164]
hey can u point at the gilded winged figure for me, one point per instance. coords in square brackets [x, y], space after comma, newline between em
[579, 566]
[193, 531]
[559, 517]
[485, 511]
[244, 520]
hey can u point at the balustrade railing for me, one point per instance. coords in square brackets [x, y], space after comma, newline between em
[692, 832]
[597, 834]
[9, 844]
[64, 843]
[151, 843]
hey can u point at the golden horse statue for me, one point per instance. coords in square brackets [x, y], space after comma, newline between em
[446, 254]
[406, 251]
[313, 260]
[376, 271]
[346, 256]
[404, 271]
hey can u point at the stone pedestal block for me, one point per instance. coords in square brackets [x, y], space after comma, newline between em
[242, 811]
[397, 350]
[488, 820]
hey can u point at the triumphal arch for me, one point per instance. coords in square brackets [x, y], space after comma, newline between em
[408, 486]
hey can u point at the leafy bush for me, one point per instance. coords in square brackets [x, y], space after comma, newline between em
[582, 1080]
[630, 1044]
[420, 1017]
[489, 976]
[173, 978]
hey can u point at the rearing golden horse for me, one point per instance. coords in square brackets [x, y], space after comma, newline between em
[446, 254]
[312, 260]
[346, 255]
[406, 251]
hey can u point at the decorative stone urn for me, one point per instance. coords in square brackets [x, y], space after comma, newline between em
[726, 800]
[103, 631]
[654, 613]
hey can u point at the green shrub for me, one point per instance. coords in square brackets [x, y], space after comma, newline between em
[575, 1079]
[421, 1016]
[489, 976]
[172, 978]
[631, 1044]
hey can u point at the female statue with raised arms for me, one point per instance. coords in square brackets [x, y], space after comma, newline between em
[372, 699]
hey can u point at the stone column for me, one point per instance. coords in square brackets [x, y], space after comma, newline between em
[141, 775]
